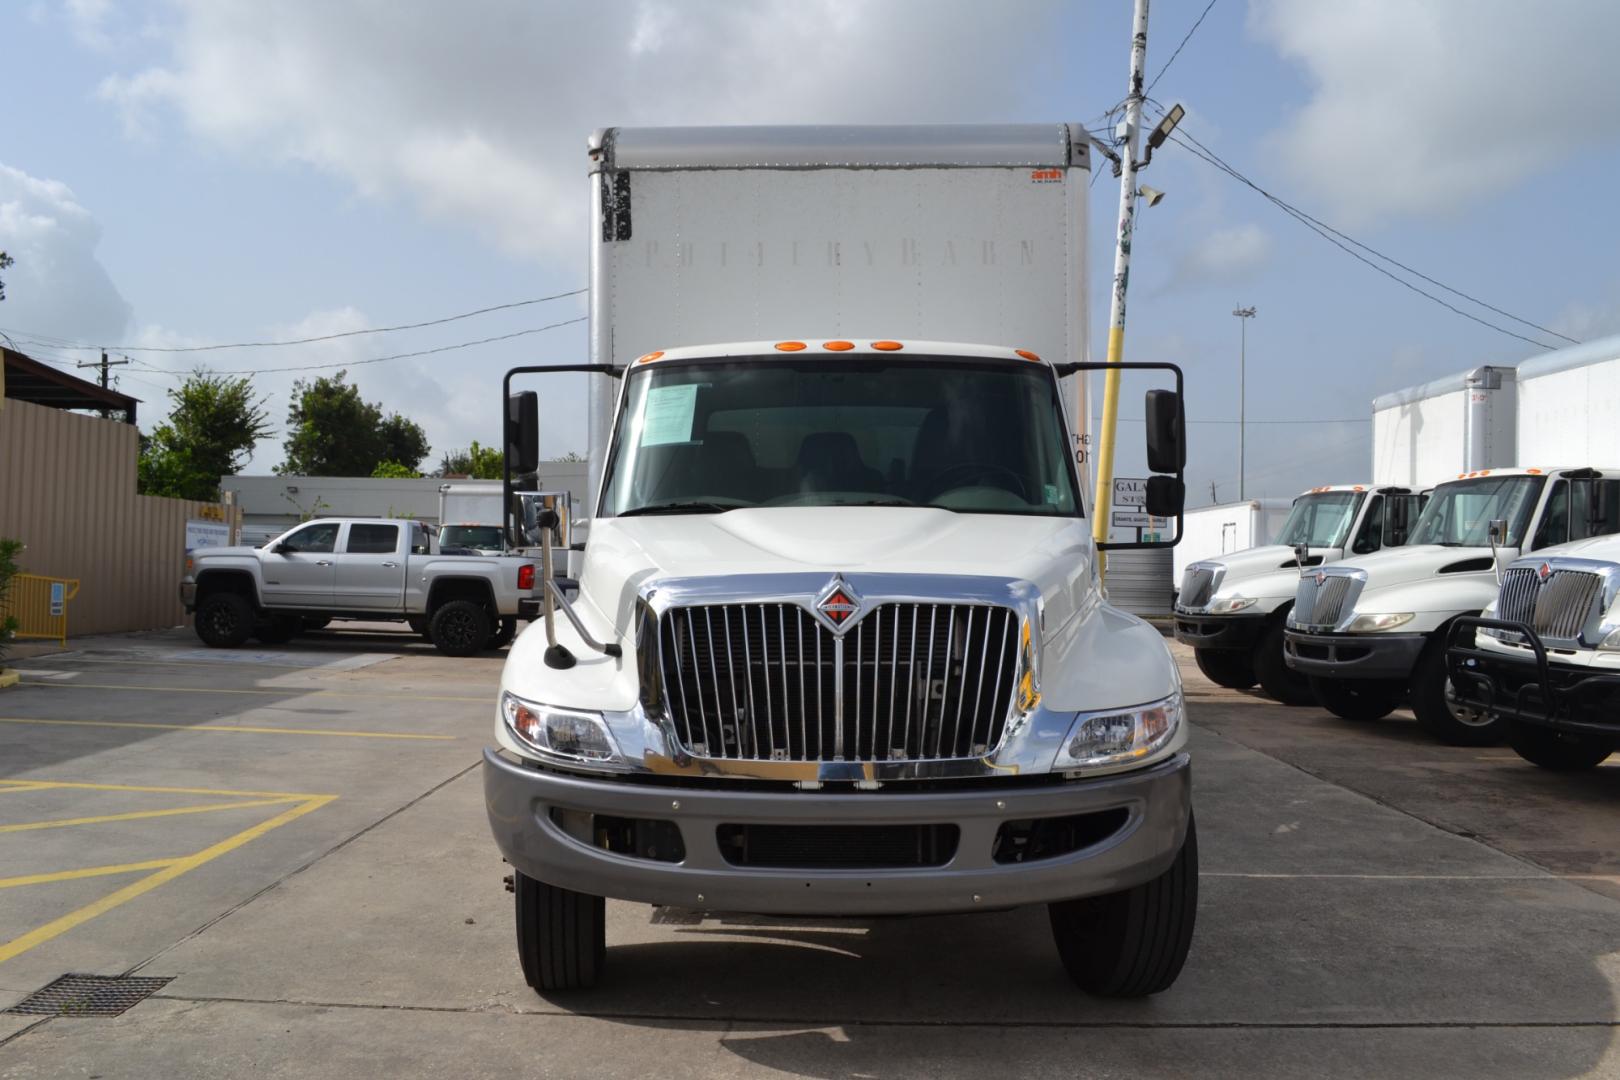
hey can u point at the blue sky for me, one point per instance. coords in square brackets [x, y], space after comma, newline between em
[220, 170]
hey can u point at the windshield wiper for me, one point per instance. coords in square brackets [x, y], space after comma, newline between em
[678, 508]
[875, 502]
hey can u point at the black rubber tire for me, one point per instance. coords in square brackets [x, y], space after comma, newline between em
[224, 620]
[561, 935]
[1279, 681]
[278, 629]
[313, 622]
[1231, 668]
[1356, 699]
[504, 633]
[1559, 751]
[460, 628]
[1131, 943]
[1461, 727]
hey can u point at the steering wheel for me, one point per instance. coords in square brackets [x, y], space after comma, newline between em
[982, 470]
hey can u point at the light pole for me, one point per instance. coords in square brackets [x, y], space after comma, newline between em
[1244, 314]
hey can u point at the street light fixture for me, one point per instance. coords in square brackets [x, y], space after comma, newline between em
[1244, 314]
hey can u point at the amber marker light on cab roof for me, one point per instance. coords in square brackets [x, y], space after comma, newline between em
[650, 357]
[887, 346]
[838, 346]
[789, 346]
[1027, 355]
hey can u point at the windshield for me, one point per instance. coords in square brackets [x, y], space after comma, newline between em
[487, 537]
[705, 438]
[1460, 513]
[1321, 519]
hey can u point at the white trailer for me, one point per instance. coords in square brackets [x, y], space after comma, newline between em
[1569, 405]
[1429, 433]
[471, 515]
[1212, 531]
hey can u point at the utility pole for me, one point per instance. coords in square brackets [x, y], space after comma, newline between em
[1212, 499]
[104, 364]
[1244, 314]
[1122, 270]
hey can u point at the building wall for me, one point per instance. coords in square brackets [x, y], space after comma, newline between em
[67, 490]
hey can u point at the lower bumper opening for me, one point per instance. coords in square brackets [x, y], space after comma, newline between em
[838, 847]
[641, 838]
[1033, 839]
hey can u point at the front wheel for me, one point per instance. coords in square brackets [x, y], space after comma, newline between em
[1131, 943]
[561, 935]
[224, 620]
[1356, 699]
[460, 628]
[1230, 668]
[1440, 713]
[1277, 679]
[504, 633]
[1559, 751]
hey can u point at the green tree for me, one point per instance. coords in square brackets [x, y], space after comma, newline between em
[332, 431]
[478, 462]
[6, 262]
[212, 426]
[393, 470]
[9, 550]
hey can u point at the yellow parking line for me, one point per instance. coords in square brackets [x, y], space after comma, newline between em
[134, 815]
[231, 729]
[238, 690]
[87, 872]
[287, 796]
[22, 787]
[57, 927]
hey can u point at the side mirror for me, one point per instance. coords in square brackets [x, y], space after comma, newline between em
[1166, 433]
[543, 515]
[1164, 496]
[1497, 531]
[523, 432]
[282, 548]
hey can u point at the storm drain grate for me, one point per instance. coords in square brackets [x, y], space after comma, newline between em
[89, 995]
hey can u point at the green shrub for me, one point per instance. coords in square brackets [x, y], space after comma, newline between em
[9, 550]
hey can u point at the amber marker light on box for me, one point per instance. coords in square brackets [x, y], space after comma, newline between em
[838, 346]
[887, 346]
[789, 346]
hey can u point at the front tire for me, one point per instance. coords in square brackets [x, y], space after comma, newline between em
[224, 621]
[1231, 668]
[1279, 681]
[504, 633]
[1558, 751]
[278, 629]
[1439, 714]
[460, 628]
[1131, 943]
[561, 935]
[1356, 699]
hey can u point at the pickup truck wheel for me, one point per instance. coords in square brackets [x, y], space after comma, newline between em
[1279, 681]
[1230, 668]
[278, 629]
[1131, 943]
[1559, 751]
[1438, 711]
[224, 620]
[503, 635]
[1356, 699]
[561, 935]
[460, 628]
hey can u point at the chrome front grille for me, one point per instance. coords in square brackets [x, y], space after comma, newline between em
[1322, 605]
[1197, 583]
[1516, 602]
[1565, 603]
[770, 682]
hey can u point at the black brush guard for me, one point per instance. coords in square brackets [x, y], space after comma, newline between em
[1565, 698]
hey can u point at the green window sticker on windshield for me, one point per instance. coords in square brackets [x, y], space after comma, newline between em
[667, 417]
[1050, 491]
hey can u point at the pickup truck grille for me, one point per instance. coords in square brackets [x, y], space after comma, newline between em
[770, 682]
[1196, 585]
[1556, 606]
[1321, 598]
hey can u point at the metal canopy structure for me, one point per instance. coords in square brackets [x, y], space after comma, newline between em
[26, 379]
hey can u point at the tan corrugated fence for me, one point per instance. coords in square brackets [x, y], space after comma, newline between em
[67, 490]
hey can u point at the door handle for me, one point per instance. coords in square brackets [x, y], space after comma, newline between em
[390, 565]
[323, 562]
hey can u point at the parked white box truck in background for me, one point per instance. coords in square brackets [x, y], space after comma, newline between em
[471, 517]
[839, 646]
[1569, 404]
[1429, 433]
[1209, 532]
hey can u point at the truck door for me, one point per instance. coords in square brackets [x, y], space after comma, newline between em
[371, 568]
[299, 569]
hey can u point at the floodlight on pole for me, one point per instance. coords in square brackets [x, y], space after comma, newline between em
[1244, 314]
[1157, 136]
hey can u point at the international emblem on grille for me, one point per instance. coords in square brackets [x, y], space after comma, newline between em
[1545, 572]
[1321, 579]
[838, 603]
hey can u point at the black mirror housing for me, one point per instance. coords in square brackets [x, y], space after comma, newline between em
[1166, 433]
[1165, 496]
[523, 432]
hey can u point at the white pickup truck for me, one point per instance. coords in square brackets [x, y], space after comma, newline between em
[371, 569]
[1546, 655]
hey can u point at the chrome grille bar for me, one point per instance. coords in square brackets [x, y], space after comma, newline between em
[1516, 601]
[1196, 585]
[1330, 600]
[1564, 603]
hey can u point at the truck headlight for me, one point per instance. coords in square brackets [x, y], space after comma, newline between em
[1612, 642]
[1120, 736]
[1228, 604]
[1384, 620]
[569, 735]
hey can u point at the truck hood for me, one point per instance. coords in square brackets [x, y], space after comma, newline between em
[1400, 566]
[1267, 559]
[217, 552]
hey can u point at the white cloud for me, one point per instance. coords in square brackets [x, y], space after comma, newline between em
[483, 120]
[1423, 108]
[1233, 254]
[58, 288]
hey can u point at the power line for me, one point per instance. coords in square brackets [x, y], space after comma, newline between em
[60, 343]
[1342, 241]
[1196, 24]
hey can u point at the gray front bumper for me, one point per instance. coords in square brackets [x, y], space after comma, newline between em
[519, 800]
[188, 595]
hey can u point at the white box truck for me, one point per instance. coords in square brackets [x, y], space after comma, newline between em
[839, 646]
[1209, 532]
[1462, 423]
[472, 517]
[1569, 404]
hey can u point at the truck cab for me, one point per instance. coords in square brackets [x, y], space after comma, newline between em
[1373, 630]
[1231, 609]
[1545, 656]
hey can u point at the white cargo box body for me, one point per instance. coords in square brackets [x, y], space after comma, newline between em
[967, 233]
[1212, 531]
[471, 503]
[1429, 433]
[1569, 406]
